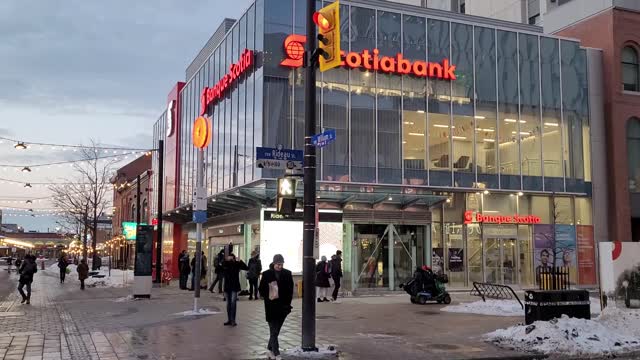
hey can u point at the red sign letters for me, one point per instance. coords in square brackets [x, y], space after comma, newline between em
[470, 217]
[211, 94]
[371, 60]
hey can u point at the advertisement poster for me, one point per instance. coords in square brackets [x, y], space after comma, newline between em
[456, 256]
[543, 246]
[586, 255]
[437, 260]
[566, 245]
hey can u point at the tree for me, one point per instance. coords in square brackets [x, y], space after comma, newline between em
[86, 195]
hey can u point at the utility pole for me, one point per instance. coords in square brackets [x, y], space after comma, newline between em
[160, 210]
[309, 165]
[197, 273]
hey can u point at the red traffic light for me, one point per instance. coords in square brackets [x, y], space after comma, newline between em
[322, 22]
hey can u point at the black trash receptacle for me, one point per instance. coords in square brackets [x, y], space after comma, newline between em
[548, 304]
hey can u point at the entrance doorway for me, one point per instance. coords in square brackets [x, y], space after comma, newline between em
[500, 254]
[386, 255]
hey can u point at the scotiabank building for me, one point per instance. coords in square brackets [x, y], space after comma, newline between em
[462, 143]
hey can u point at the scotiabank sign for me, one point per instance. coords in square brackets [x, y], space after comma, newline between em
[211, 94]
[371, 60]
[471, 217]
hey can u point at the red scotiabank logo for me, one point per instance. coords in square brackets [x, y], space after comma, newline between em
[500, 219]
[371, 60]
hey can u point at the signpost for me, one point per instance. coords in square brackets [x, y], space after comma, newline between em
[325, 138]
[143, 262]
[201, 138]
[278, 158]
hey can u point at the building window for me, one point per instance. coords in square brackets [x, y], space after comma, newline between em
[633, 154]
[630, 69]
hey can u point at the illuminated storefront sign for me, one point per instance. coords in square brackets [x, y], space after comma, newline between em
[371, 60]
[471, 217]
[211, 94]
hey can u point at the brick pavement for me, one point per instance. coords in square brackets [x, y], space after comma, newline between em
[64, 323]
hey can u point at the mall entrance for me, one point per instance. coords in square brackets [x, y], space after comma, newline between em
[500, 254]
[386, 255]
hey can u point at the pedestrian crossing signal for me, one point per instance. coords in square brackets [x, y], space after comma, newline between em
[286, 196]
[328, 21]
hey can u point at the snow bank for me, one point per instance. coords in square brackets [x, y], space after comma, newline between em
[324, 352]
[490, 307]
[614, 331]
[200, 312]
[502, 307]
[119, 278]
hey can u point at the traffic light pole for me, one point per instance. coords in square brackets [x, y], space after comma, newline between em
[309, 229]
[159, 214]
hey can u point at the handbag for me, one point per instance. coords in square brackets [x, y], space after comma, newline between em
[273, 290]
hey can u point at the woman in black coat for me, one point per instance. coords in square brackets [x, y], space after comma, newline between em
[231, 270]
[323, 272]
[276, 307]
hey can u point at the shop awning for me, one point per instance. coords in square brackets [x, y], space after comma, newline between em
[263, 193]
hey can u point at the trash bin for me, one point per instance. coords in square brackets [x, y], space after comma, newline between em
[549, 304]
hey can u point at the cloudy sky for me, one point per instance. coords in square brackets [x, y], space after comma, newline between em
[77, 70]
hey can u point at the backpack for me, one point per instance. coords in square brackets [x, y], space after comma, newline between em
[253, 269]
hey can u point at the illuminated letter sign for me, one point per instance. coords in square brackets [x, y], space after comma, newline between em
[211, 94]
[171, 110]
[470, 217]
[371, 60]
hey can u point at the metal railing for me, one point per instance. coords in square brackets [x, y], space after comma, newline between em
[553, 278]
[494, 291]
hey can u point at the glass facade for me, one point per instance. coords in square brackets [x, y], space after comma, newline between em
[515, 117]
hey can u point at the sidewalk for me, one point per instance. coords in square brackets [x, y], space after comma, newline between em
[102, 323]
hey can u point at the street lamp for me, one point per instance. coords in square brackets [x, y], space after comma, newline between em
[26, 169]
[28, 185]
[20, 146]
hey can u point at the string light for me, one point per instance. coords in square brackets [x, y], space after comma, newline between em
[25, 145]
[60, 163]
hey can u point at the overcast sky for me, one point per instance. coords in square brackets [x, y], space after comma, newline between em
[76, 70]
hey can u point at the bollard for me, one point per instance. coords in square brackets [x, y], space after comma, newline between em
[299, 288]
[41, 264]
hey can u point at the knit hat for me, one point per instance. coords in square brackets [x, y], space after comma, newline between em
[278, 259]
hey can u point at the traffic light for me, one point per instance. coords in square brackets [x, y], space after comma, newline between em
[286, 197]
[328, 21]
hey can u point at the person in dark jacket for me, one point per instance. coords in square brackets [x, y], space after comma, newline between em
[336, 273]
[276, 288]
[323, 271]
[63, 264]
[203, 271]
[184, 268]
[232, 267]
[83, 272]
[217, 265]
[255, 268]
[27, 269]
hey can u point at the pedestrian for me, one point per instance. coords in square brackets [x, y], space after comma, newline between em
[98, 262]
[255, 268]
[27, 269]
[323, 271]
[184, 268]
[336, 273]
[203, 271]
[232, 267]
[276, 288]
[63, 263]
[217, 266]
[83, 272]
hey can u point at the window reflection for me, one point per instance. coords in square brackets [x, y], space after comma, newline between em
[530, 146]
[463, 130]
[439, 107]
[551, 139]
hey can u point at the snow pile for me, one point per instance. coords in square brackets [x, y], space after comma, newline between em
[489, 307]
[119, 278]
[200, 312]
[615, 331]
[324, 352]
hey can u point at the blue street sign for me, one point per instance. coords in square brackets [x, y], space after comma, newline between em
[325, 138]
[200, 216]
[271, 158]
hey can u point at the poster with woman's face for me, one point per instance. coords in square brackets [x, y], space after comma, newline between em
[437, 260]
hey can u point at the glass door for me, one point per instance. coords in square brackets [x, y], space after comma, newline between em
[474, 244]
[372, 255]
[509, 256]
[493, 264]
